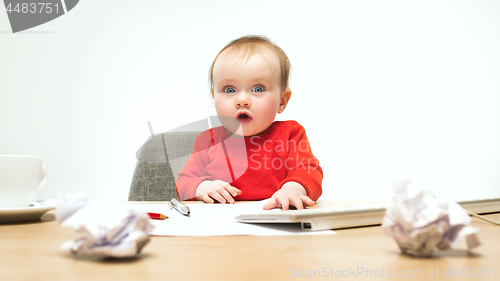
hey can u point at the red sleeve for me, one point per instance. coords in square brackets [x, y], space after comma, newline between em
[193, 172]
[303, 167]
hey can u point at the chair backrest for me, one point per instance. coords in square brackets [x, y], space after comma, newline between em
[159, 161]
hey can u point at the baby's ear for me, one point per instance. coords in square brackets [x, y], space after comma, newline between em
[285, 97]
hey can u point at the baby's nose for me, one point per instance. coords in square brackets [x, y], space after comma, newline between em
[243, 103]
[242, 100]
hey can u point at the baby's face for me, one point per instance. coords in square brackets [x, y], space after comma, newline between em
[248, 92]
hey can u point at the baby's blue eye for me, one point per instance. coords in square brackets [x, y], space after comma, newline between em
[229, 90]
[258, 89]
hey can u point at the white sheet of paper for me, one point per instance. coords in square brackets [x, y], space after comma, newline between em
[218, 220]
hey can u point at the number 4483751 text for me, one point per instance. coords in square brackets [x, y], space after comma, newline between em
[33, 8]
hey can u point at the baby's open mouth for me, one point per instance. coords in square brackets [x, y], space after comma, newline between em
[244, 118]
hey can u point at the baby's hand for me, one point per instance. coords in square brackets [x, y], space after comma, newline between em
[290, 194]
[218, 190]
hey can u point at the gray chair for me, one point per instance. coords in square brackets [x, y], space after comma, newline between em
[159, 161]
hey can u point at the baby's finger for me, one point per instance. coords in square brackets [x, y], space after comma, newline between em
[297, 202]
[231, 189]
[207, 198]
[234, 191]
[306, 200]
[216, 196]
[270, 204]
[224, 193]
[285, 203]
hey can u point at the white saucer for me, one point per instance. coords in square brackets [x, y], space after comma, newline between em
[34, 212]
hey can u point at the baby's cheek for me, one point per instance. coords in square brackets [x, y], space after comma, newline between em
[270, 111]
[222, 108]
[269, 116]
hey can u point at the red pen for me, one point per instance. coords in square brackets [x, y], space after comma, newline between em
[157, 216]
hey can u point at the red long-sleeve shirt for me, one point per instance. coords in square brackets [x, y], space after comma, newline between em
[257, 165]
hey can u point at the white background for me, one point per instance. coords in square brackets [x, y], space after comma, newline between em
[385, 89]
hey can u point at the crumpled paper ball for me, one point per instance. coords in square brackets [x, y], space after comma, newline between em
[104, 229]
[422, 223]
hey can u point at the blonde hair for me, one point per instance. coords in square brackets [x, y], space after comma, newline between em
[247, 46]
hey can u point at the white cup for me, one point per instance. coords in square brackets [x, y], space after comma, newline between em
[20, 178]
